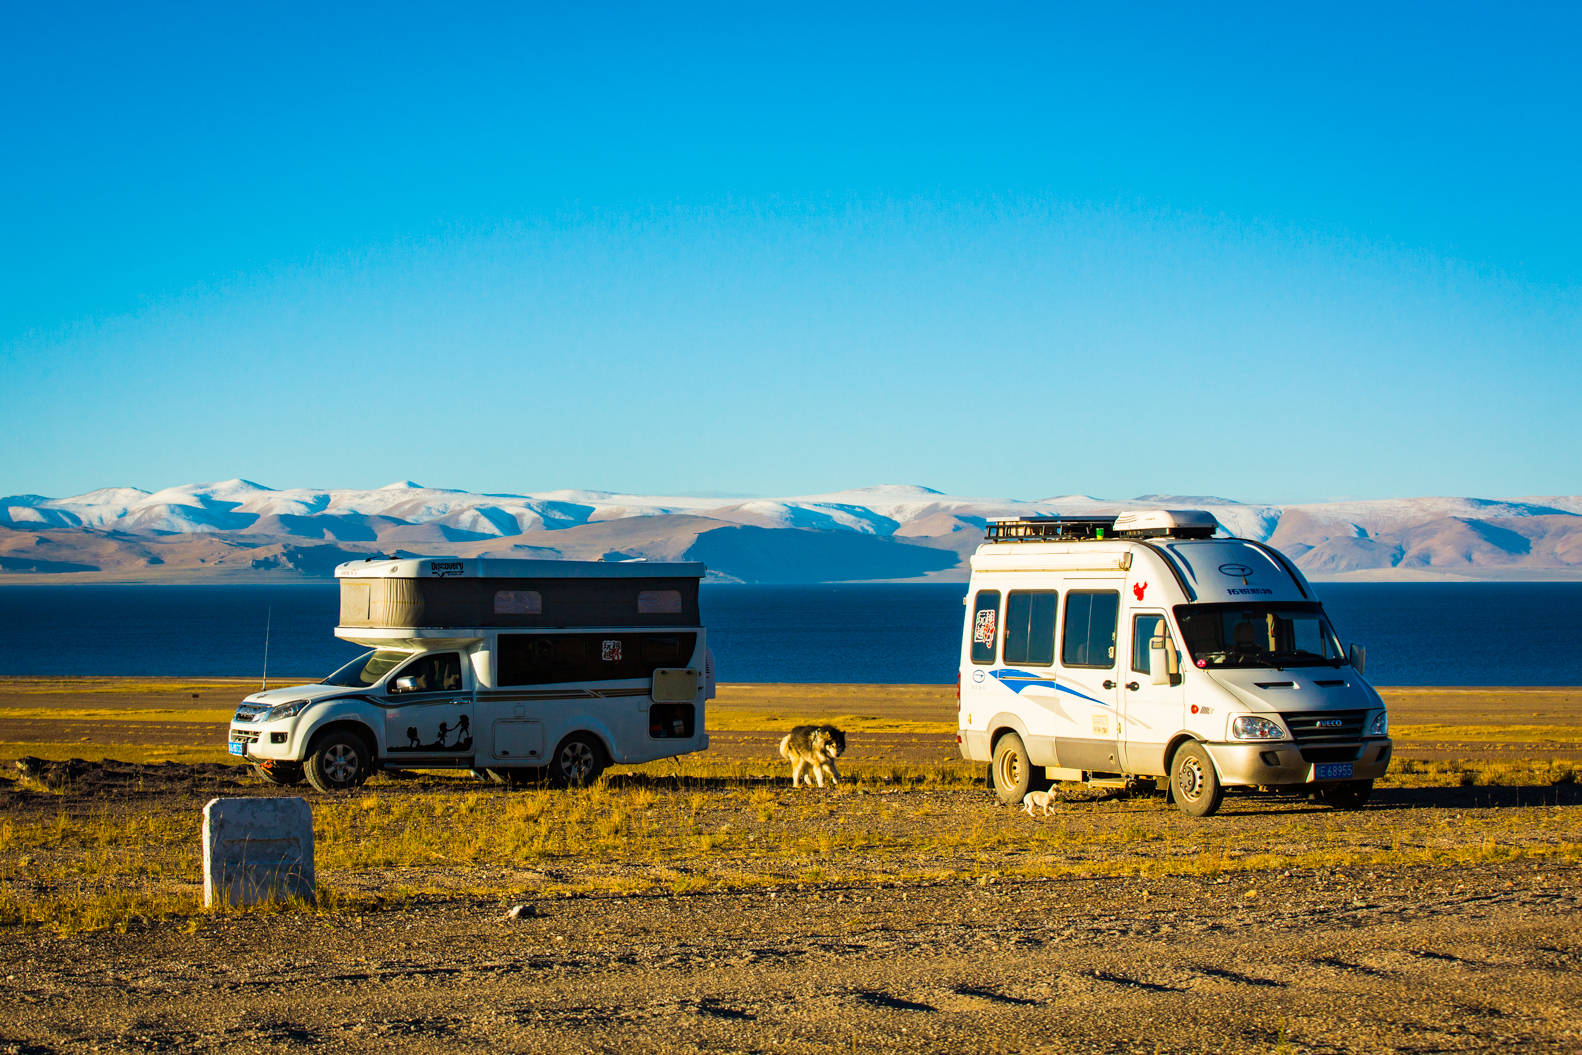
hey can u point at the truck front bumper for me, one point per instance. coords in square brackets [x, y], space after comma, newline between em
[1285, 764]
[254, 743]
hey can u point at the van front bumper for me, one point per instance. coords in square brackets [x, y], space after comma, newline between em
[1284, 763]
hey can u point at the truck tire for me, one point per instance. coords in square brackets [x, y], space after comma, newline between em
[1012, 773]
[1348, 796]
[280, 774]
[577, 762]
[1193, 781]
[338, 761]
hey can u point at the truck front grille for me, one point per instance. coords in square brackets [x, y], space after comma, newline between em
[249, 712]
[244, 736]
[1325, 727]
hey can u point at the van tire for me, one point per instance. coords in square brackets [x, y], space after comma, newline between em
[1349, 796]
[1011, 772]
[577, 762]
[338, 761]
[280, 774]
[1193, 781]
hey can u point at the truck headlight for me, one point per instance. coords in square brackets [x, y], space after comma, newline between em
[286, 710]
[1381, 724]
[1252, 727]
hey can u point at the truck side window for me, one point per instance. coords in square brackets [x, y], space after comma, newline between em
[1030, 627]
[436, 672]
[985, 625]
[1089, 637]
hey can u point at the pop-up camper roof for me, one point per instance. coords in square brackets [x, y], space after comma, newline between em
[486, 593]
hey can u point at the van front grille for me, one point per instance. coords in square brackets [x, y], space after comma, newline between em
[1325, 727]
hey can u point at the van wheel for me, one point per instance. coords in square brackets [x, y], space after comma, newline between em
[339, 761]
[1348, 796]
[1193, 781]
[1011, 772]
[280, 774]
[577, 761]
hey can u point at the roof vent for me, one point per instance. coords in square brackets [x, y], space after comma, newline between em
[1166, 523]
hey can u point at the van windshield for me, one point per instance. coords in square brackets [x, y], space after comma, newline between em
[366, 669]
[1258, 635]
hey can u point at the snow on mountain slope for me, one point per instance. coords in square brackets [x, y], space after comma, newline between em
[1432, 535]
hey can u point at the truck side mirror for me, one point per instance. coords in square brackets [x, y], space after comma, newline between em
[1158, 663]
[1358, 657]
[406, 684]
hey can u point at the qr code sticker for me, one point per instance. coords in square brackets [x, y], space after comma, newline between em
[612, 651]
[983, 627]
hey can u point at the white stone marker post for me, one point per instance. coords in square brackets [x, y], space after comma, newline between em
[256, 849]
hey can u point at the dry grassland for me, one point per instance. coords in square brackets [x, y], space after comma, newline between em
[1484, 793]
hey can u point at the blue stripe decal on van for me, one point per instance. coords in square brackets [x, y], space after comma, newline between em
[1017, 680]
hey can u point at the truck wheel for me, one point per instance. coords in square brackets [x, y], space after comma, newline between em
[1193, 781]
[1348, 796]
[1011, 771]
[280, 774]
[338, 761]
[577, 761]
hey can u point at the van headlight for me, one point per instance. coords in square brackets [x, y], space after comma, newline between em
[286, 710]
[1381, 724]
[1252, 727]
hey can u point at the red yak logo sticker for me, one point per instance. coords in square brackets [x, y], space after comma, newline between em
[1138, 588]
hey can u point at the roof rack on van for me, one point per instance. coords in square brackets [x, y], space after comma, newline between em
[1047, 529]
[1148, 523]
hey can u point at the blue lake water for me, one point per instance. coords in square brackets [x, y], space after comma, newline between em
[1416, 634]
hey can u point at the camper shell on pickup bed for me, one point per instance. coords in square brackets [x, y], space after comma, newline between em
[518, 669]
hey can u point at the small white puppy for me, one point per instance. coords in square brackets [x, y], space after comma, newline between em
[1042, 799]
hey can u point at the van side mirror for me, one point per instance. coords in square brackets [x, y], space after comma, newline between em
[1158, 663]
[406, 684]
[1358, 656]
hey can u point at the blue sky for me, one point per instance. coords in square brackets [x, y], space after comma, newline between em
[1002, 250]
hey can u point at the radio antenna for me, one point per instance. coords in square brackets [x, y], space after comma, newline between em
[269, 613]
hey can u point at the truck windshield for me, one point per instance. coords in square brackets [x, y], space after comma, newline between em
[366, 669]
[1258, 635]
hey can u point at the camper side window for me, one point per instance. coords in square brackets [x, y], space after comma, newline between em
[985, 625]
[546, 659]
[1089, 638]
[1145, 628]
[1030, 627]
[436, 672]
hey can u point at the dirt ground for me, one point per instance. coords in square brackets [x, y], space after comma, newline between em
[924, 918]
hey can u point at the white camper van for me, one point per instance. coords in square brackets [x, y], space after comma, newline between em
[1118, 649]
[518, 669]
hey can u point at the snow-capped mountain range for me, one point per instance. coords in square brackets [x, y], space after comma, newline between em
[236, 529]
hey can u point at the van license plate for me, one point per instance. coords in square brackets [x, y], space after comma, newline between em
[1332, 771]
[238, 749]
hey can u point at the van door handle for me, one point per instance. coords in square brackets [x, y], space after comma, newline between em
[1133, 686]
[1108, 684]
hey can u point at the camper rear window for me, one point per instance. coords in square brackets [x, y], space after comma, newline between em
[985, 625]
[549, 659]
[1089, 639]
[1030, 627]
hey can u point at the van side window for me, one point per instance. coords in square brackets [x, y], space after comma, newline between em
[1144, 629]
[1030, 627]
[1089, 638]
[985, 625]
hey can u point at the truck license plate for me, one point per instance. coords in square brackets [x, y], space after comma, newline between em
[238, 749]
[1332, 771]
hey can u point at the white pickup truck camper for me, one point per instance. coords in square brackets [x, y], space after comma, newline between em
[518, 669]
[1146, 646]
